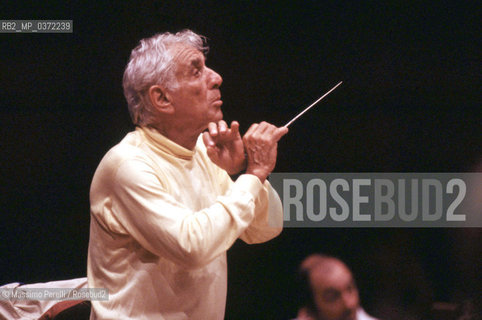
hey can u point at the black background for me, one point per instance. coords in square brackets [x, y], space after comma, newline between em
[410, 102]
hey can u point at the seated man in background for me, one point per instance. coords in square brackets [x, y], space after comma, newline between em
[331, 291]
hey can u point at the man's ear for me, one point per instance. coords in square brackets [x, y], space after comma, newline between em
[159, 98]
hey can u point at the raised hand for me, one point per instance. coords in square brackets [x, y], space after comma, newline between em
[225, 146]
[261, 146]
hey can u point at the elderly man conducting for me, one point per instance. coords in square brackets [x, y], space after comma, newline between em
[164, 209]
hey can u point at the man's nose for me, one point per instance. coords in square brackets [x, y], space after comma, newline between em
[215, 80]
[350, 301]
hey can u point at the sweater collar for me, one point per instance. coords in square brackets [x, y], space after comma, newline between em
[165, 145]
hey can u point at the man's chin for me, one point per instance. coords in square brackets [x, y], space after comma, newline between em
[218, 116]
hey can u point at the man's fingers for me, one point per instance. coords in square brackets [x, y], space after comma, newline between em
[222, 127]
[218, 132]
[208, 140]
[231, 133]
[234, 128]
[267, 131]
[279, 132]
[251, 129]
[210, 146]
[264, 128]
[260, 143]
[213, 129]
[212, 154]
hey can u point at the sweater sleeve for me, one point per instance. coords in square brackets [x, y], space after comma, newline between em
[268, 210]
[168, 228]
[268, 219]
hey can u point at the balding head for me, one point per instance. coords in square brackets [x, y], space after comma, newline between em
[333, 289]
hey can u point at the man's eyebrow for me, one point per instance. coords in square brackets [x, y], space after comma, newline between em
[197, 62]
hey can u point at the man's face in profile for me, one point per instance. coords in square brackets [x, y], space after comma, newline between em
[197, 99]
[335, 293]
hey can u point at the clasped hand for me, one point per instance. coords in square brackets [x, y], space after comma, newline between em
[256, 151]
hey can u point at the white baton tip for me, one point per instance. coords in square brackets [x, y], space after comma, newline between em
[311, 105]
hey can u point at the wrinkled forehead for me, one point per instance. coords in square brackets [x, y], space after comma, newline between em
[186, 55]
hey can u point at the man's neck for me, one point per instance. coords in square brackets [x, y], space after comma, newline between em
[180, 135]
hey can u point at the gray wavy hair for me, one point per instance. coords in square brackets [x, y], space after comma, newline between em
[151, 63]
